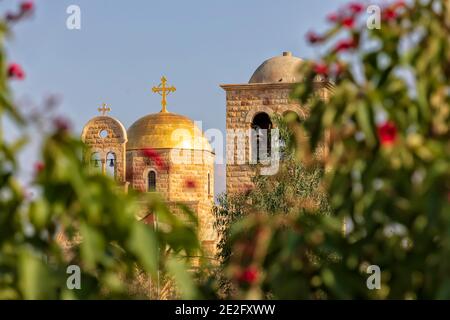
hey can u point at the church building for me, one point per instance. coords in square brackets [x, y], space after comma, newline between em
[162, 152]
[167, 153]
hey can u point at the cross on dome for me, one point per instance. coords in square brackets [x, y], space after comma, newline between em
[163, 91]
[104, 109]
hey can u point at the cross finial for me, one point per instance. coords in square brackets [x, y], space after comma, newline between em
[163, 91]
[104, 109]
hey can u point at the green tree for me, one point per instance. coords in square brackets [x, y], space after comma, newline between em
[293, 190]
[388, 167]
[77, 217]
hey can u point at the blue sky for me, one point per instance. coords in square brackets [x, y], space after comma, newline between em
[124, 47]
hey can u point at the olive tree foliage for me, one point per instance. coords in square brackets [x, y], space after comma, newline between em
[387, 170]
[293, 190]
[78, 217]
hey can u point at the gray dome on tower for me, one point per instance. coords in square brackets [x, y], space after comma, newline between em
[282, 68]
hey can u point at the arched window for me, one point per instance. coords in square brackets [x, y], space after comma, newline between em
[209, 184]
[151, 181]
[261, 141]
[111, 164]
[96, 161]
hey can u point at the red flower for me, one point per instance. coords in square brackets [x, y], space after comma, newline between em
[399, 4]
[190, 183]
[356, 7]
[39, 167]
[321, 68]
[345, 44]
[249, 275]
[26, 6]
[348, 22]
[155, 157]
[313, 37]
[15, 71]
[333, 17]
[61, 124]
[150, 153]
[389, 14]
[387, 133]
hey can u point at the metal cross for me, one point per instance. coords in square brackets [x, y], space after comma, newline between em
[104, 109]
[163, 91]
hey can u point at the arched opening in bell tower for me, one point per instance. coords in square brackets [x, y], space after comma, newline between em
[111, 164]
[261, 139]
[96, 161]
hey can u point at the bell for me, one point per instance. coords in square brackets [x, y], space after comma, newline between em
[96, 163]
[111, 163]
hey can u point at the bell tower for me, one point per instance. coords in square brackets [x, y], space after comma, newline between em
[105, 138]
[249, 108]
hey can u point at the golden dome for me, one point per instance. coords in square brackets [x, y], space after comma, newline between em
[166, 130]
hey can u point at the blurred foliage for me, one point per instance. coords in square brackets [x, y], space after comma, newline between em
[79, 217]
[386, 125]
[385, 172]
[293, 190]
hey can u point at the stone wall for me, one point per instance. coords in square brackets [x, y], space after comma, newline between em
[243, 103]
[180, 183]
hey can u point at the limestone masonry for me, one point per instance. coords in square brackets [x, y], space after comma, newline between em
[125, 154]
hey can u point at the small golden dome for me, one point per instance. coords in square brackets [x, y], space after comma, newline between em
[166, 130]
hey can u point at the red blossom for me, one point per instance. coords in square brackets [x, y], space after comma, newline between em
[314, 37]
[333, 17]
[356, 7]
[348, 22]
[15, 71]
[249, 275]
[190, 183]
[389, 14]
[155, 157]
[344, 45]
[26, 6]
[399, 4]
[387, 133]
[321, 68]
[61, 124]
[39, 167]
[150, 153]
